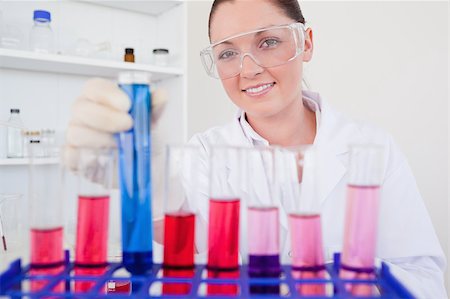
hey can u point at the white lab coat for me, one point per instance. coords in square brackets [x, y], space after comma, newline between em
[406, 238]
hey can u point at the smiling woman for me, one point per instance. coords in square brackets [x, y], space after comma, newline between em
[259, 58]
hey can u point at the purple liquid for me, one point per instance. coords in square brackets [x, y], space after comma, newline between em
[264, 266]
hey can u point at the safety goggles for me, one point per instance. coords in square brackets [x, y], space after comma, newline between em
[268, 47]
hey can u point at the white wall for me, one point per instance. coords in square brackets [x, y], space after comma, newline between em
[384, 62]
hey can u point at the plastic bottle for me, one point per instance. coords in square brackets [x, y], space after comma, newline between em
[41, 35]
[15, 143]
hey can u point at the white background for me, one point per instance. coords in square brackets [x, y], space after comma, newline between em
[383, 62]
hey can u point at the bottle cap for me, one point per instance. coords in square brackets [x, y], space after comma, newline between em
[160, 51]
[41, 15]
[15, 110]
[129, 50]
[134, 78]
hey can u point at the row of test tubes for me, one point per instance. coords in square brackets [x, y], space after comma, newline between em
[248, 189]
[240, 192]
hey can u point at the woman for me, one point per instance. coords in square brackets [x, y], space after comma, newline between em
[257, 50]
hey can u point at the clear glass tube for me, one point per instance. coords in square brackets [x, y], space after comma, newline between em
[95, 169]
[299, 187]
[181, 187]
[262, 217]
[226, 173]
[361, 218]
[45, 220]
[135, 176]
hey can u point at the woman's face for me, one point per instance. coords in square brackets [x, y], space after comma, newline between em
[281, 84]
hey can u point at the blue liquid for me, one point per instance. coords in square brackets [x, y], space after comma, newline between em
[264, 266]
[135, 182]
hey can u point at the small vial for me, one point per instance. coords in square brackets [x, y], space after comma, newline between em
[161, 56]
[15, 143]
[129, 55]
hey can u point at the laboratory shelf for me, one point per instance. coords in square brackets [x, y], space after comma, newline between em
[74, 65]
[26, 161]
[14, 282]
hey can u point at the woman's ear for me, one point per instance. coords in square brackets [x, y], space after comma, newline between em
[308, 50]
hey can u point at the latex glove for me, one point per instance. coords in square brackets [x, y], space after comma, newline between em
[98, 113]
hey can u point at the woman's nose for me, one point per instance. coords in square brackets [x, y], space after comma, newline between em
[250, 66]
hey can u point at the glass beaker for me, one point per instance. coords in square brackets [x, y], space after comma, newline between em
[181, 187]
[46, 220]
[299, 184]
[95, 170]
[361, 217]
[225, 179]
[262, 216]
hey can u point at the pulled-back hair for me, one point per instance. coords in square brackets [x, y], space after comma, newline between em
[291, 9]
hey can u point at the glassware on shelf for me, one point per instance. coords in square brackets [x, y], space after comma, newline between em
[161, 56]
[14, 133]
[41, 35]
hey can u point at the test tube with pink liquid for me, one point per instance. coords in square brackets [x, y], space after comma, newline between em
[262, 217]
[301, 170]
[45, 220]
[361, 218]
[95, 171]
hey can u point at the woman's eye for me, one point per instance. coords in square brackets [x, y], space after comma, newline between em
[269, 43]
[227, 54]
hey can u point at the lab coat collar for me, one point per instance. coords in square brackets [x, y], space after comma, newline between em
[332, 138]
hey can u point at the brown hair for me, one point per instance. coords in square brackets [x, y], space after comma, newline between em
[291, 8]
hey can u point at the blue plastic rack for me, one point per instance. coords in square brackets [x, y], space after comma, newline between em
[13, 279]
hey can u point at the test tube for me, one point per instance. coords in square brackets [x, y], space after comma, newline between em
[226, 169]
[45, 220]
[361, 218]
[300, 184]
[179, 218]
[95, 169]
[263, 217]
[135, 176]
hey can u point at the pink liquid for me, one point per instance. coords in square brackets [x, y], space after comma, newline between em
[263, 231]
[92, 230]
[360, 234]
[178, 250]
[223, 244]
[307, 251]
[46, 251]
[223, 234]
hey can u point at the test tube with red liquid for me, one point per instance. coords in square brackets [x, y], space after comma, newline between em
[301, 168]
[95, 170]
[262, 218]
[226, 170]
[361, 218]
[45, 221]
[181, 176]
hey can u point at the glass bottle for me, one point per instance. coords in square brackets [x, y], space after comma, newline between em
[129, 55]
[15, 143]
[41, 35]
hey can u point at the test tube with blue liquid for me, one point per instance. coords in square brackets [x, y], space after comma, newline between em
[134, 147]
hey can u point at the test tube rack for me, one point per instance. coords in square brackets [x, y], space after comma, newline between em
[12, 280]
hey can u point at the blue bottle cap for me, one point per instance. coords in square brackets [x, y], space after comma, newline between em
[41, 15]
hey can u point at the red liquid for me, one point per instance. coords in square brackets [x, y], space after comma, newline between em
[178, 250]
[46, 250]
[223, 234]
[84, 286]
[92, 230]
[223, 244]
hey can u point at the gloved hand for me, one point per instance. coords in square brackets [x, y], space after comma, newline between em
[99, 112]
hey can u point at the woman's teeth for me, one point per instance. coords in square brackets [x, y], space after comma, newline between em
[259, 88]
